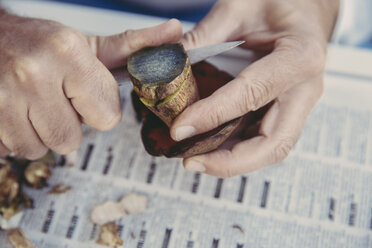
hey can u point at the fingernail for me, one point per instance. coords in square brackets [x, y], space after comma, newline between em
[193, 165]
[184, 132]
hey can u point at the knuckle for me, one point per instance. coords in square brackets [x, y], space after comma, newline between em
[128, 37]
[255, 94]
[26, 70]
[64, 40]
[309, 54]
[282, 149]
[64, 139]
[216, 115]
[192, 39]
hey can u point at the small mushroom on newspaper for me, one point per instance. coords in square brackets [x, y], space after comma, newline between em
[132, 203]
[37, 173]
[9, 186]
[19, 239]
[109, 235]
[14, 173]
[10, 212]
[10, 202]
[107, 212]
[11, 222]
[59, 189]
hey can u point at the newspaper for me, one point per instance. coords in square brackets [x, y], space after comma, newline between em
[320, 196]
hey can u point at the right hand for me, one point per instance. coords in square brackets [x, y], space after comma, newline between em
[291, 36]
[53, 78]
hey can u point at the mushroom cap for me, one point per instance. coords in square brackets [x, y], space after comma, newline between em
[154, 66]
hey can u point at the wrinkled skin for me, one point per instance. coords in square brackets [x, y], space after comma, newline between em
[54, 78]
[291, 36]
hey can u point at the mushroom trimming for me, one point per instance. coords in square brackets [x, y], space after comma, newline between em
[15, 172]
[19, 239]
[109, 235]
[109, 211]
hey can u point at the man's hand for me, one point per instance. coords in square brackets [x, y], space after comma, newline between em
[53, 78]
[293, 35]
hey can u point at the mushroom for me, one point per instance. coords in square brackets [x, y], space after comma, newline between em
[163, 79]
[164, 84]
[109, 211]
[37, 173]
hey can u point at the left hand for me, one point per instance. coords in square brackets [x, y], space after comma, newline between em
[294, 35]
[53, 78]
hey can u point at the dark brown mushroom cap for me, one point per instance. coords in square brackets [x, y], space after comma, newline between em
[155, 133]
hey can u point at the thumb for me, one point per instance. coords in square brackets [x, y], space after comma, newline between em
[114, 50]
[214, 28]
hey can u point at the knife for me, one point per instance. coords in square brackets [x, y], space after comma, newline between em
[196, 55]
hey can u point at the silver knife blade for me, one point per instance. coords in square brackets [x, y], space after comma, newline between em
[196, 55]
[199, 54]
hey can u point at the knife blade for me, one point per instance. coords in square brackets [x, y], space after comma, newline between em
[196, 55]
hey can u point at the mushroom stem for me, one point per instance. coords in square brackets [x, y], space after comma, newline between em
[163, 79]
